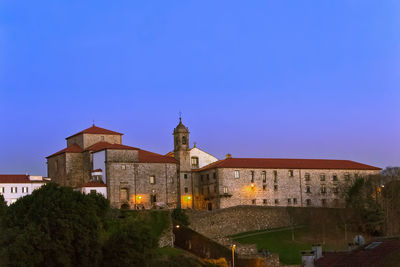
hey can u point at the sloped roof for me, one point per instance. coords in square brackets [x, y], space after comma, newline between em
[170, 154]
[14, 179]
[94, 184]
[71, 149]
[150, 157]
[144, 156]
[96, 130]
[105, 145]
[272, 163]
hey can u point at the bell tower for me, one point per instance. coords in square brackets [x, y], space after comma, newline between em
[181, 146]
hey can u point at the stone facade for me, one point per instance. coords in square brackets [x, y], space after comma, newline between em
[218, 187]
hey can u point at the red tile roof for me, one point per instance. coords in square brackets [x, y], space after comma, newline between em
[361, 257]
[14, 179]
[144, 156]
[71, 149]
[94, 184]
[260, 163]
[97, 170]
[170, 154]
[105, 145]
[96, 130]
[150, 157]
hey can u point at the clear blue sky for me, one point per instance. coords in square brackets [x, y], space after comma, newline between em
[307, 79]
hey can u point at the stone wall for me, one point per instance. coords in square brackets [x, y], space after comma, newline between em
[229, 221]
[281, 187]
[86, 140]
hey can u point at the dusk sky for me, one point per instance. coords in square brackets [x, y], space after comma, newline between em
[280, 79]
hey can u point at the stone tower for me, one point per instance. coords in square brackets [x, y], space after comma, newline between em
[181, 146]
[182, 155]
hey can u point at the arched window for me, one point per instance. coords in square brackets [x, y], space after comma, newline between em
[184, 140]
[124, 194]
[177, 141]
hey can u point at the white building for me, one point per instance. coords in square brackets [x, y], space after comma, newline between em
[96, 184]
[14, 186]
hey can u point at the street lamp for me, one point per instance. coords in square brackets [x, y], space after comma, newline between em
[233, 255]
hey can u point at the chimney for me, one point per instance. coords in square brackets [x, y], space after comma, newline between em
[228, 156]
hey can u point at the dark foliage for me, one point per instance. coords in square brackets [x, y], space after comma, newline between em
[180, 216]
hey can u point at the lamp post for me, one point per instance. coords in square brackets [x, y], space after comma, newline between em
[233, 255]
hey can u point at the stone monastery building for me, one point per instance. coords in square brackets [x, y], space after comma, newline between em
[96, 160]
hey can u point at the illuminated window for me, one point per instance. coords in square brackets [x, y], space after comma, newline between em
[225, 190]
[264, 176]
[307, 176]
[152, 179]
[323, 189]
[237, 174]
[290, 173]
[123, 167]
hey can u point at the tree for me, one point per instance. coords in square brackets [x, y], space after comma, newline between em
[54, 226]
[3, 206]
[180, 216]
[132, 244]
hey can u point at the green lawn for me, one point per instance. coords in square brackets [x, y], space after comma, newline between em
[289, 251]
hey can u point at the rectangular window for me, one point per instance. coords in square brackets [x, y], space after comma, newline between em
[307, 176]
[290, 173]
[264, 176]
[323, 189]
[215, 175]
[92, 191]
[264, 201]
[276, 201]
[308, 189]
[276, 187]
[322, 177]
[275, 176]
[195, 162]
[253, 201]
[252, 176]
[185, 176]
[347, 176]
[294, 201]
[264, 187]
[25, 189]
[289, 201]
[123, 167]
[335, 190]
[14, 190]
[186, 190]
[237, 174]
[208, 177]
[225, 190]
[334, 177]
[2, 190]
[308, 201]
[152, 179]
